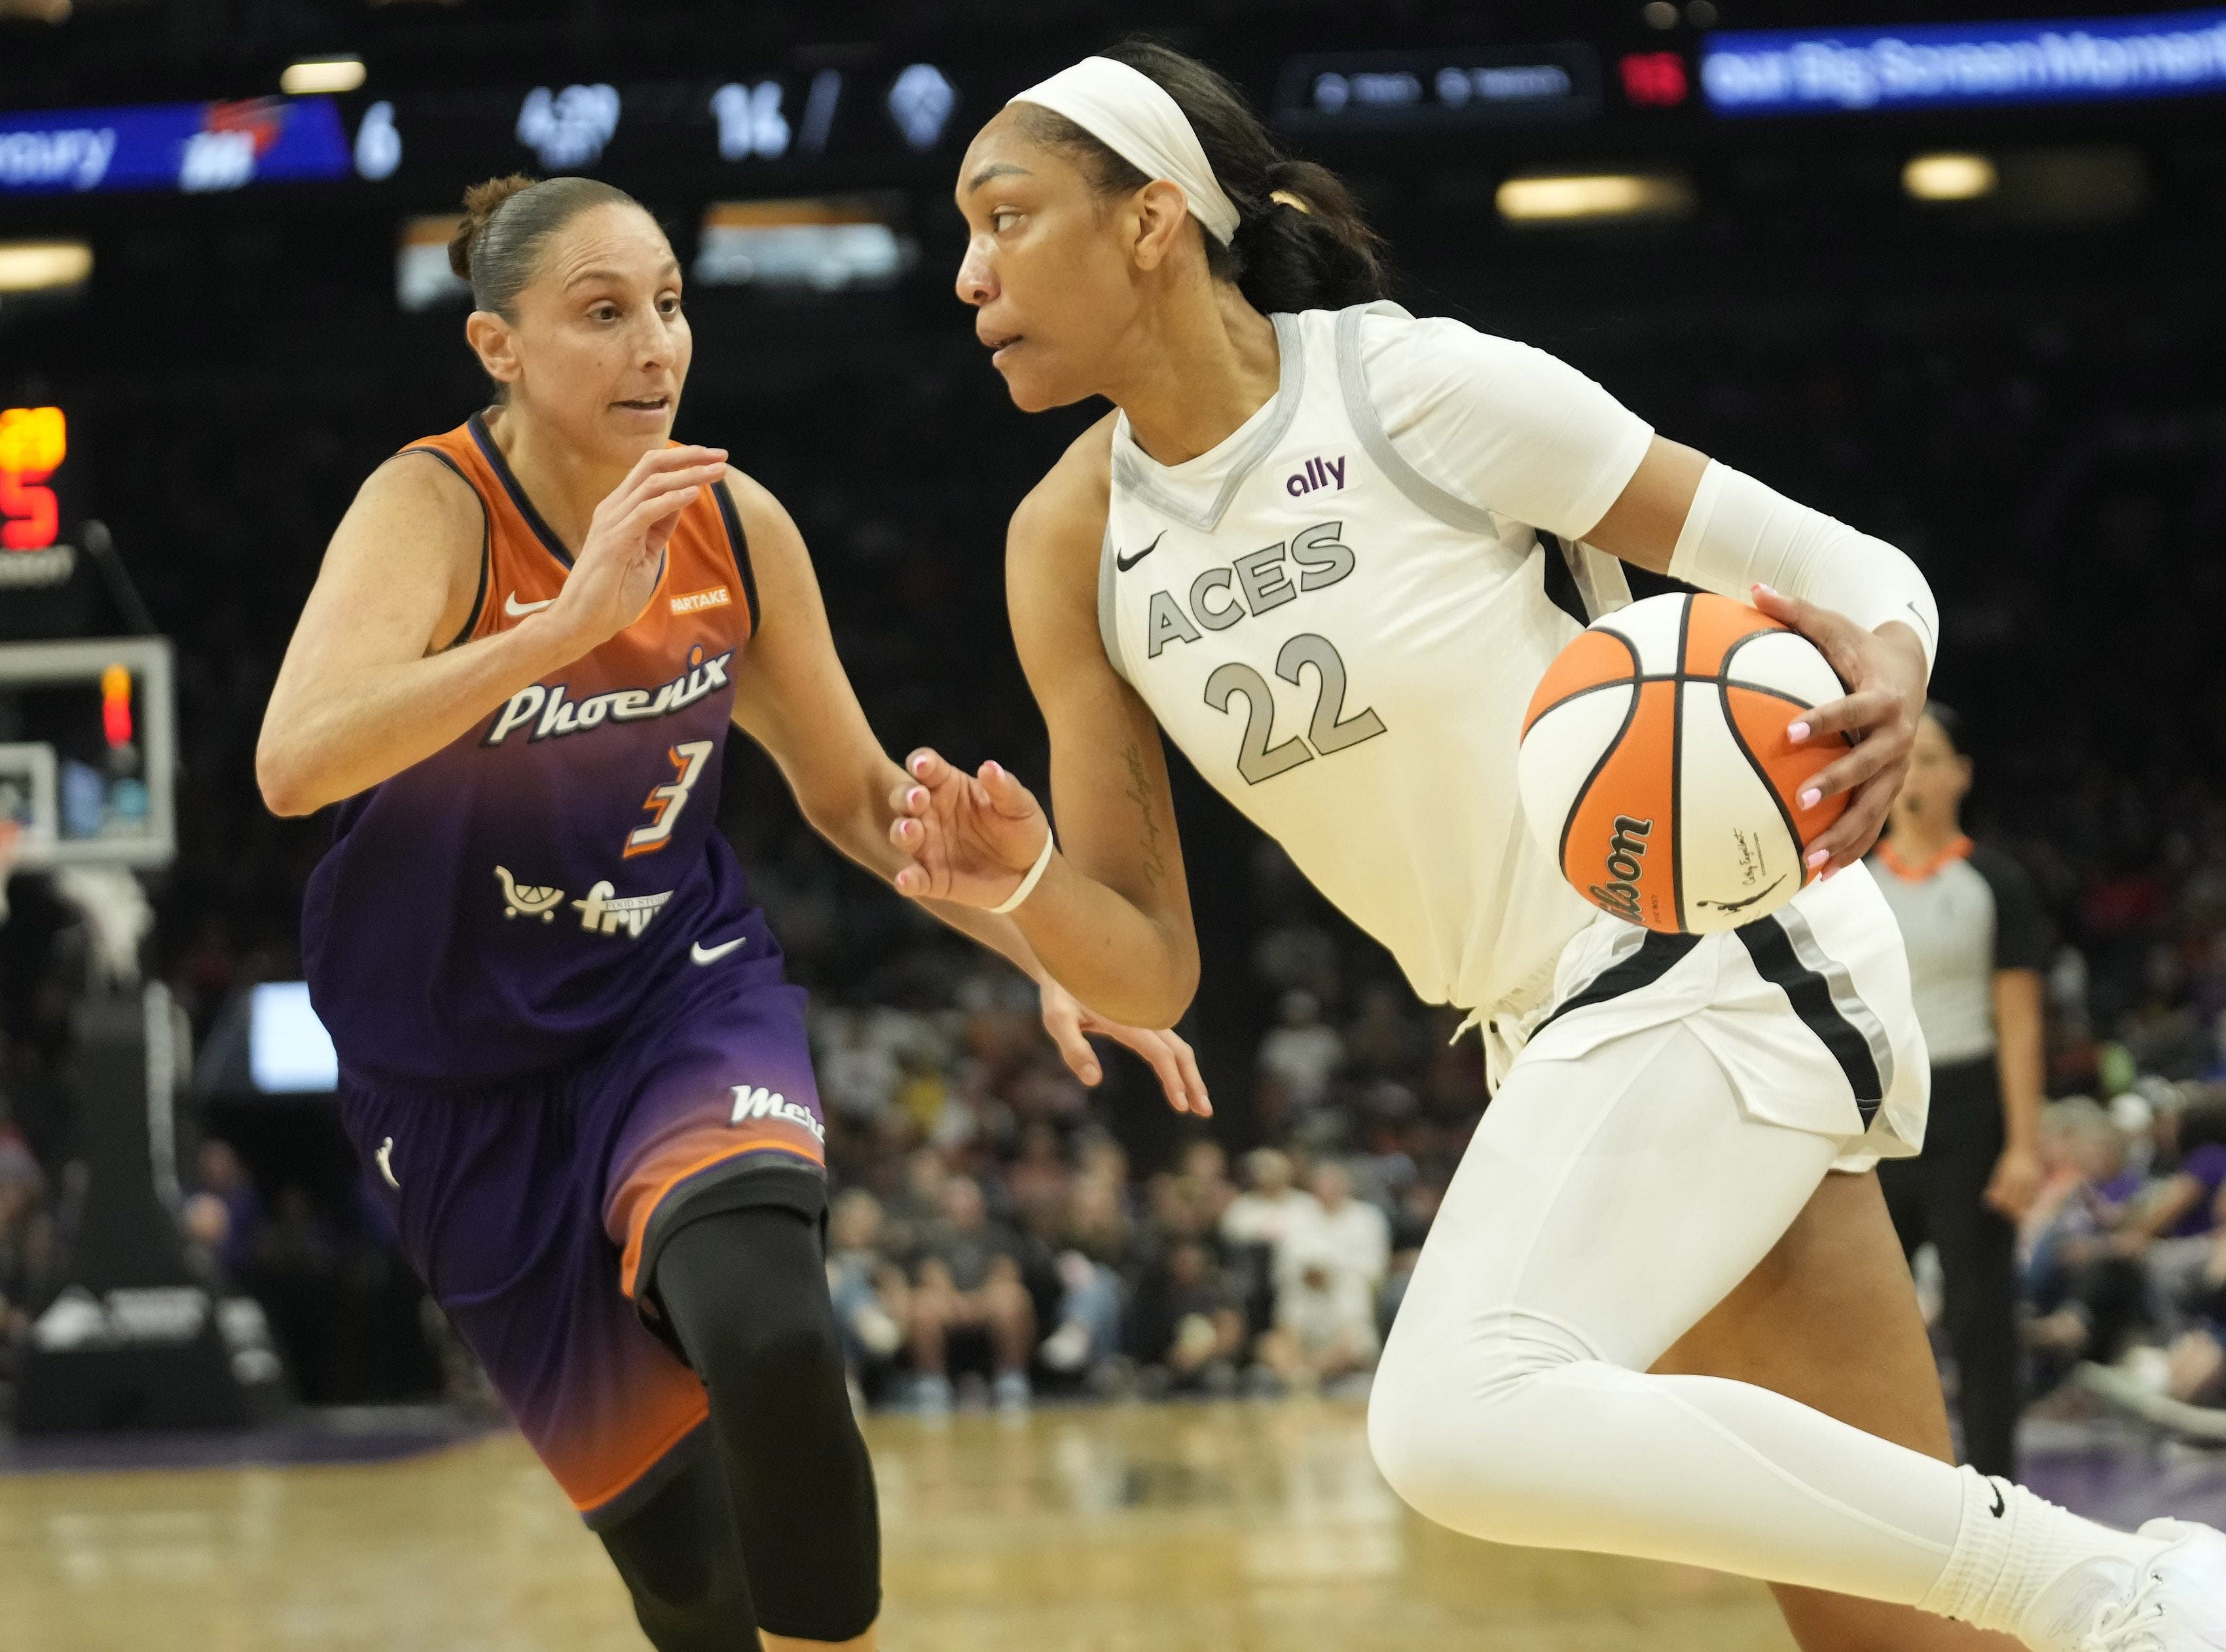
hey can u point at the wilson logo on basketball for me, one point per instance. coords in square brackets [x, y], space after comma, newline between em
[1625, 852]
[1658, 764]
[696, 602]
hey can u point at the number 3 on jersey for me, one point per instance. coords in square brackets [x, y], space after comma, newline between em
[1331, 730]
[665, 801]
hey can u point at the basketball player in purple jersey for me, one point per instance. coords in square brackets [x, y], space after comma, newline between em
[565, 1042]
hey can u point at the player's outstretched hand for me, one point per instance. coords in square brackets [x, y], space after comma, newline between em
[1884, 676]
[971, 838]
[1069, 1022]
[623, 557]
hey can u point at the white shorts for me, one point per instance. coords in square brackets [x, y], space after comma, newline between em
[1807, 1011]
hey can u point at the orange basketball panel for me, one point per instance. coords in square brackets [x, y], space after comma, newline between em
[1618, 844]
[1761, 720]
[1714, 625]
[1591, 657]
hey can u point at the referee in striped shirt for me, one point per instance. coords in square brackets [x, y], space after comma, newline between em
[1976, 945]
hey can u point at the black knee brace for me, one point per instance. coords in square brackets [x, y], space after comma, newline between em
[745, 1292]
[683, 1564]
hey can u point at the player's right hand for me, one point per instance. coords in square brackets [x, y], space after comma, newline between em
[971, 838]
[622, 558]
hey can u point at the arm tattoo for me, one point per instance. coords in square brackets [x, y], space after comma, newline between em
[1139, 792]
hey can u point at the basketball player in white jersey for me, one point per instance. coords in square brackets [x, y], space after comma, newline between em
[1310, 545]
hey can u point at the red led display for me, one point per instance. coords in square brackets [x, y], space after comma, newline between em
[1656, 79]
[33, 442]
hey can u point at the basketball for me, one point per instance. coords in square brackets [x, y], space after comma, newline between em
[1655, 766]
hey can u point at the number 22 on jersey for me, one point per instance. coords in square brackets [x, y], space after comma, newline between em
[1330, 732]
[665, 801]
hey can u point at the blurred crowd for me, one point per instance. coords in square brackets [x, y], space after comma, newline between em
[987, 1225]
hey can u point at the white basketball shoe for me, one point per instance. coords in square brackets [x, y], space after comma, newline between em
[2177, 1603]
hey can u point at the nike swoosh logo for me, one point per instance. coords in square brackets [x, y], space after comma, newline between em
[385, 1157]
[1125, 564]
[2000, 1508]
[518, 610]
[703, 954]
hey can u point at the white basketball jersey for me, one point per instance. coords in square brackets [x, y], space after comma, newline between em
[1345, 645]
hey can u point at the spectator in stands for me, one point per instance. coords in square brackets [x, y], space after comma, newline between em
[224, 1214]
[1351, 1238]
[1188, 1327]
[1325, 1331]
[1301, 1054]
[1038, 1181]
[1095, 1255]
[2172, 1228]
[2083, 1290]
[1205, 1178]
[917, 1206]
[968, 1289]
[1272, 1200]
[1253, 1227]
[2195, 1370]
[872, 1300]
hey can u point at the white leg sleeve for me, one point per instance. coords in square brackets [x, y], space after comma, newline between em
[1606, 1203]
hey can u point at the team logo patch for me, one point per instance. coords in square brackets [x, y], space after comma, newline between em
[527, 899]
[696, 602]
[602, 911]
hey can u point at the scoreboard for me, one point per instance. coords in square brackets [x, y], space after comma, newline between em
[861, 110]
[716, 123]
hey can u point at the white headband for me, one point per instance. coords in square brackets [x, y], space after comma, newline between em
[1132, 115]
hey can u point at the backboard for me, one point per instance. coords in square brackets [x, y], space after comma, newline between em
[88, 751]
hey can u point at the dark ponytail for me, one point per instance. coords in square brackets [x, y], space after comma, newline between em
[507, 220]
[1309, 250]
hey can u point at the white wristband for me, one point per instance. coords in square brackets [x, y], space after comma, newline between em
[1035, 875]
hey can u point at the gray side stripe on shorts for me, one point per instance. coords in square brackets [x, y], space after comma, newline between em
[1845, 999]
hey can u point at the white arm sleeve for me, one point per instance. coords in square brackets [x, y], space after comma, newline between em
[1740, 533]
[1499, 425]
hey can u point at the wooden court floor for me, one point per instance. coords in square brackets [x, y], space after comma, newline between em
[1235, 1527]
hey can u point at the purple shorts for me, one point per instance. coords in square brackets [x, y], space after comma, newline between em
[533, 1212]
